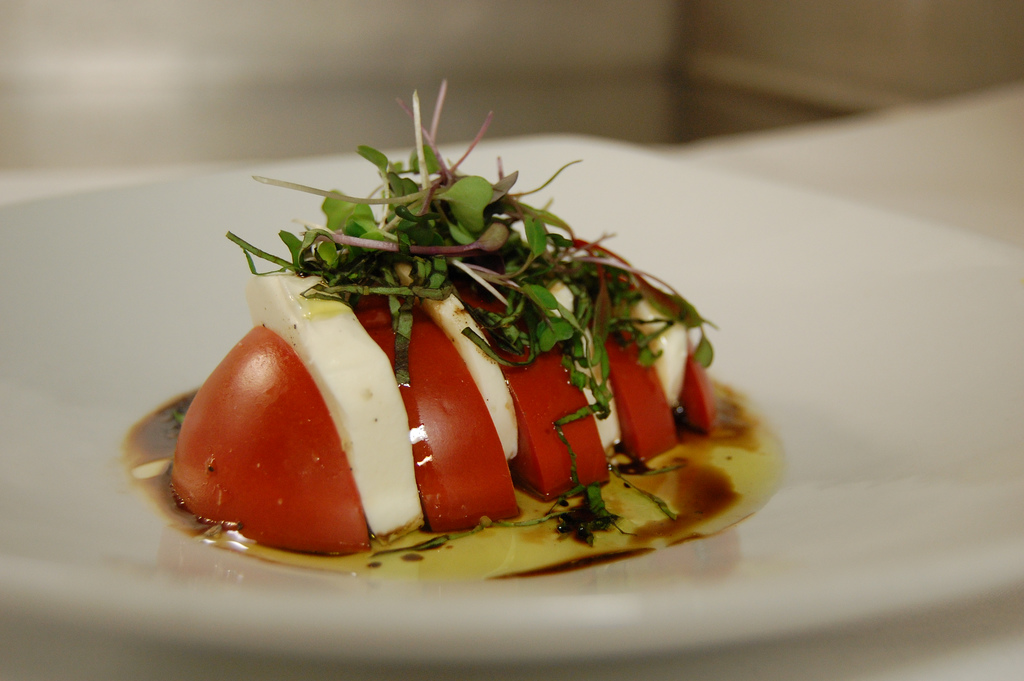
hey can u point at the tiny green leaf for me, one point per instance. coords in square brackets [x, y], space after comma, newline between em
[541, 295]
[467, 198]
[561, 328]
[400, 186]
[545, 338]
[294, 245]
[338, 212]
[502, 186]
[460, 234]
[375, 157]
[428, 155]
[703, 353]
[432, 165]
[536, 236]
[328, 252]
[360, 221]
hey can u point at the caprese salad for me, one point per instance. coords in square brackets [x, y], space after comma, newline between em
[427, 351]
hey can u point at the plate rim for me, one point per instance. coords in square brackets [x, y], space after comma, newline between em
[23, 576]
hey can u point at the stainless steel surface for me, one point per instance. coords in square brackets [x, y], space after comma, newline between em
[751, 65]
[109, 83]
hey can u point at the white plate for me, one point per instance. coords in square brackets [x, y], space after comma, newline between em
[886, 351]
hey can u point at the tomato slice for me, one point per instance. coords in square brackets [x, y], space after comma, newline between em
[645, 417]
[542, 394]
[698, 397]
[461, 469]
[258, 448]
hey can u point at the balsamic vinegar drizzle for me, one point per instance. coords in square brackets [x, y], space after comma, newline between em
[710, 481]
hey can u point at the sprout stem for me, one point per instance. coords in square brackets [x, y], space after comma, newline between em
[390, 201]
[420, 156]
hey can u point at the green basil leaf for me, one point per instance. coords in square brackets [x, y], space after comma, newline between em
[294, 245]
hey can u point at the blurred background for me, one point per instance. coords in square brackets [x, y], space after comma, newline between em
[113, 84]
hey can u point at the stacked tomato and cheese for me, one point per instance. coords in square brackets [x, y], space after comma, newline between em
[303, 440]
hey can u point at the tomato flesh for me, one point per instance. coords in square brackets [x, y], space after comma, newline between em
[542, 394]
[645, 417]
[258, 448]
[461, 471]
[698, 397]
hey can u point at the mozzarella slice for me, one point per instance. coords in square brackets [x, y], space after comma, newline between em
[608, 429]
[358, 384]
[672, 344]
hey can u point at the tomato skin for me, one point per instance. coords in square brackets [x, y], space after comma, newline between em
[542, 394]
[461, 469]
[697, 397]
[645, 417]
[258, 447]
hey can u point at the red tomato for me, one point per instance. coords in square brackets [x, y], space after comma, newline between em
[461, 470]
[645, 417]
[543, 394]
[698, 397]
[259, 448]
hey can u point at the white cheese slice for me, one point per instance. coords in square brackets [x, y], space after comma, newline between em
[608, 429]
[358, 384]
[672, 344]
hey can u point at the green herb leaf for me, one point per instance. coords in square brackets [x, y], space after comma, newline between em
[328, 252]
[251, 250]
[460, 234]
[401, 315]
[431, 160]
[375, 157]
[703, 354]
[541, 295]
[504, 185]
[338, 212]
[294, 245]
[467, 198]
[536, 236]
[653, 498]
